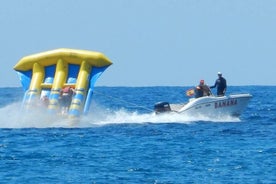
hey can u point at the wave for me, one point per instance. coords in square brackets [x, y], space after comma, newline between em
[12, 117]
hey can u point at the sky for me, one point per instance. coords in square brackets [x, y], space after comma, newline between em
[150, 42]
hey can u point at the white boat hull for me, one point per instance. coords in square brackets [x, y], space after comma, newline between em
[213, 106]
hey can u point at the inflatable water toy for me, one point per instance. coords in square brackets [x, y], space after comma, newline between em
[44, 75]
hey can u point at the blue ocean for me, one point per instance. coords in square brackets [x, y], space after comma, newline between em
[123, 141]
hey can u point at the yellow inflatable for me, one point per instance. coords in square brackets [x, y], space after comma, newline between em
[45, 74]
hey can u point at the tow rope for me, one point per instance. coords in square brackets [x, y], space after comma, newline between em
[124, 101]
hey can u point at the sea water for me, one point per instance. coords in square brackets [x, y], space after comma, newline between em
[121, 140]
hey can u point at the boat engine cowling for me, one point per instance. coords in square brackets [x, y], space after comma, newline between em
[162, 107]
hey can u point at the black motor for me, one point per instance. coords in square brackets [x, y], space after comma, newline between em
[162, 107]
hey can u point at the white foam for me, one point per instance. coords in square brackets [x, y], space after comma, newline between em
[121, 116]
[13, 118]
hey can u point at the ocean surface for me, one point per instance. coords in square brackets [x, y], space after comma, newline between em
[123, 141]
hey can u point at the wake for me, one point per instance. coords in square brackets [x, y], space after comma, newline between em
[12, 117]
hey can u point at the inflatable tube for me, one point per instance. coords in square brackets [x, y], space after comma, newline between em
[44, 75]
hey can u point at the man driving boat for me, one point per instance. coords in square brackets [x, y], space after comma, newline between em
[202, 90]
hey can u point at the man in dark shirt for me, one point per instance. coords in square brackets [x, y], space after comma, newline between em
[220, 84]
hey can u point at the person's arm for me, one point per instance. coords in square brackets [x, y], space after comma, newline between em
[224, 91]
[225, 86]
[73, 91]
[214, 85]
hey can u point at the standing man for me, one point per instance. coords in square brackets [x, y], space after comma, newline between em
[220, 84]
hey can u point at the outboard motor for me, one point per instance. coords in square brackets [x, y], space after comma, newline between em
[162, 107]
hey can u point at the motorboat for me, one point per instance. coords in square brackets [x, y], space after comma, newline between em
[210, 106]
